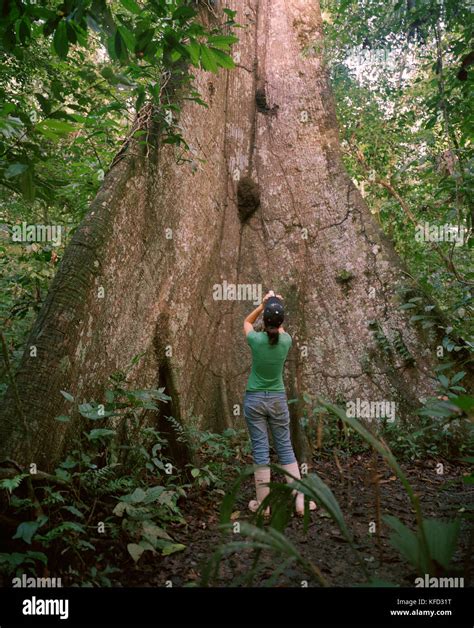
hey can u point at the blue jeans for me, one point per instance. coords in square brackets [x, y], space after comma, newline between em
[268, 408]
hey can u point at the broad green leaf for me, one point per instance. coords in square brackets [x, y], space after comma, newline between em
[52, 127]
[120, 509]
[120, 47]
[153, 493]
[183, 13]
[135, 551]
[465, 402]
[172, 548]
[151, 530]
[100, 433]
[131, 6]
[136, 497]
[443, 380]
[63, 418]
[222, 41]
[230, 13]
[208, 60]
[194, 49]
[223, 59]
[60, 40]
[405, 541]
[129, 39]
[22, 29]
[442, 537]
[26, 531]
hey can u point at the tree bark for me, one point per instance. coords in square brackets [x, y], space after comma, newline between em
[310, 237]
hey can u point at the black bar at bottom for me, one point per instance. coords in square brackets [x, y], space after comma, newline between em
[208, 606]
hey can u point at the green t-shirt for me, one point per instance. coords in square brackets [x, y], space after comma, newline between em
[267, 361]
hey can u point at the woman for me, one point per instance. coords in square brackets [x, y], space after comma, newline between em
[265, 402]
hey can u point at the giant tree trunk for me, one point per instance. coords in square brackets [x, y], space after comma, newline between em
[270, 131]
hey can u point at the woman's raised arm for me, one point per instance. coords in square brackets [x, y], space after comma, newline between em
[252, 317]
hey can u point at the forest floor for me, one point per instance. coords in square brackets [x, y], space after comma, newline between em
[350, 479]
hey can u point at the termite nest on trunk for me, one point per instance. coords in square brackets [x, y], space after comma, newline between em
[248, 198]
[262, 105]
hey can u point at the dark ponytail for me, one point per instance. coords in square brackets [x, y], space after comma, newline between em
[273, 335]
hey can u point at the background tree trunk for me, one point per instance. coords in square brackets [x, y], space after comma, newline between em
[272, 122]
